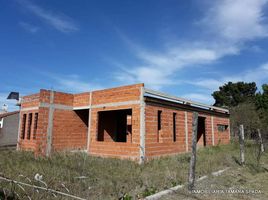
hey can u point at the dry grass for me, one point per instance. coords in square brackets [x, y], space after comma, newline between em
[240, 182]
[109, 178]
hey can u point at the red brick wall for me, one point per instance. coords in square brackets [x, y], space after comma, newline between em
[28, 144]
[69, 131]
[44, 96]
[166, 145]
[63, 98]
[37, 144]
[116, 149]
[221, 137]
[81, 99]
[41, 135]
[110, 148]
[30, 104]
[119, 94]
[30, 101]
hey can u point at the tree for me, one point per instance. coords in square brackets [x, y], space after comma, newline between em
[262, 105]
[246, 114]
[232, 94]
[262, 98]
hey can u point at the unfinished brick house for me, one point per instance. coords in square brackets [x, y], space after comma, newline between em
[125, 122]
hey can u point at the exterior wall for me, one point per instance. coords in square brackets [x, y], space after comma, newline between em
[31, 104]
[165, 145]
[41, 134]
[112, 99]
[9, 131]
[27, 143]
[69, 131]
[82, 99]
[115, 95]
[30, 101]
[222, 137]
[58, 115]
[111, 148]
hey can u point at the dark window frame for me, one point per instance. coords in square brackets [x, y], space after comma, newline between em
[23, 126]
[222, 127]
[174, 127]
[35, 125]
[159, 124]
[29, 127]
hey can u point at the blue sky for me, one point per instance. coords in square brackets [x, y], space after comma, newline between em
[185, 48]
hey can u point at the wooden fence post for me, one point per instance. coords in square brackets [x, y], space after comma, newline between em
[261, 142]
[242, 144]
[191, 177]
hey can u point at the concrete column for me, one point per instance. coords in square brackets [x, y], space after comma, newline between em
[89, 122]
[50, 124]
[186, 130]
[212, 129]
[19, 130]
[142, 126]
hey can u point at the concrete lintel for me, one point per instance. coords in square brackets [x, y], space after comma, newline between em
[65, 107]
[123, 103]
[55, 106]
[81, 107]
[29, 108]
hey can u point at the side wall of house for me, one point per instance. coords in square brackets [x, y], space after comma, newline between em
[29, 134]
[9, 131]
[126, 97]
[159, 143]
[68, 129]
[221, 137]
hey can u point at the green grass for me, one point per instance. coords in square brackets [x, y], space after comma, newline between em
[113, 178]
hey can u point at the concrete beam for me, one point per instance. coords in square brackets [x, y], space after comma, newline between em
[123, 103]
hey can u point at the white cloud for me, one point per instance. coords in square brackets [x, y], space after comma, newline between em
[209, 85]
[58, 21]
[237, 20]
[29, 27]
[232, 23]
[258, 75]
[157, 69]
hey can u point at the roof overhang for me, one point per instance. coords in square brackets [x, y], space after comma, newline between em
[151, 94]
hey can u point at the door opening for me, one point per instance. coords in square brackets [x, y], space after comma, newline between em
[201, 132]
